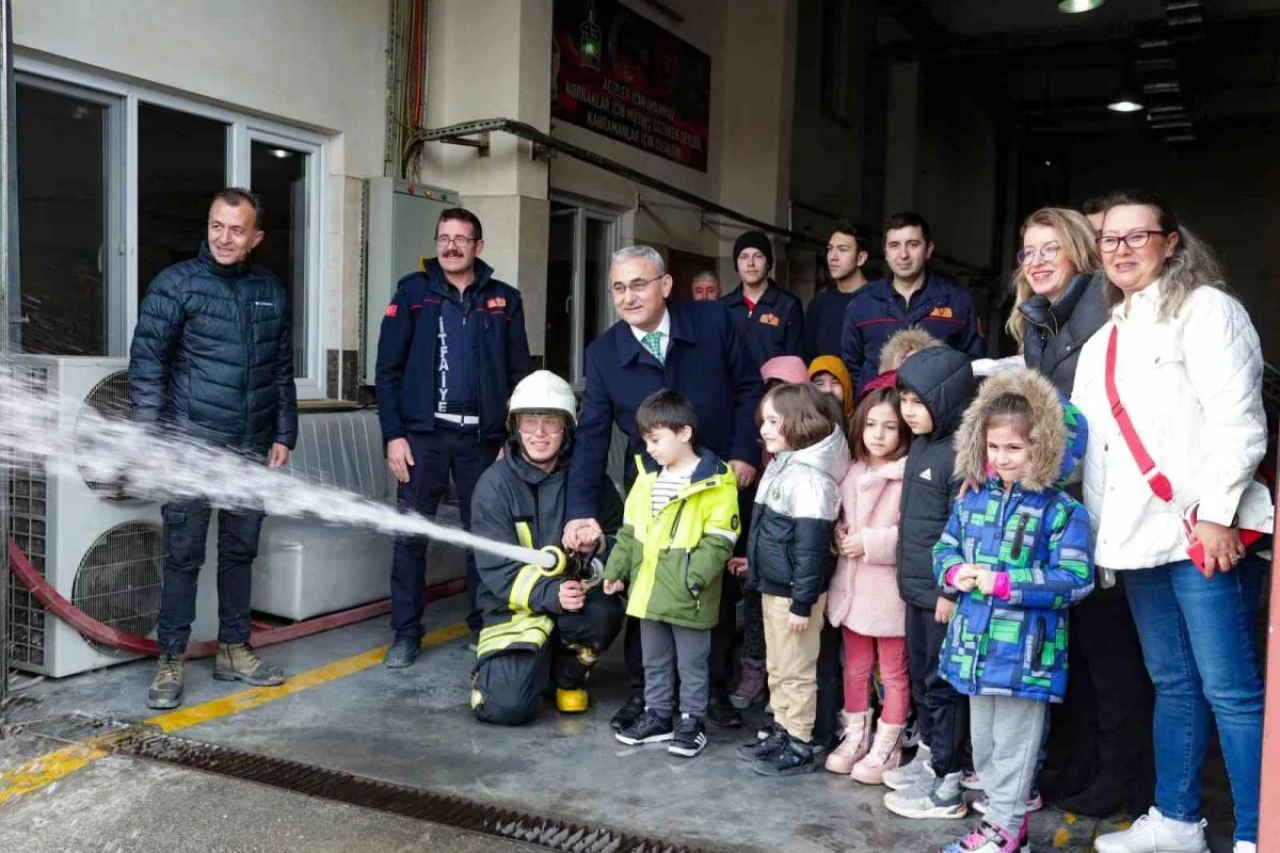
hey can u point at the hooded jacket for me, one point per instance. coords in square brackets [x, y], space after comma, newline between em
[1056, 332]
[864, 591]
[212, 356]
[409, 350]
[673, 562]
[1035, 537]
[943, 380]
[797, 502]
[833, 365]
[520, 504]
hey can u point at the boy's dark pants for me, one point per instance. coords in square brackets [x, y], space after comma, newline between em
[943, 712]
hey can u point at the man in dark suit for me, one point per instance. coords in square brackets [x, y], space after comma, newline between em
[691, 347]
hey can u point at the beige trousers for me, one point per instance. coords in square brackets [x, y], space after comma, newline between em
[792, 661]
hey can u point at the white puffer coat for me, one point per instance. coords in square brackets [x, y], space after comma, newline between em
[1193, 388]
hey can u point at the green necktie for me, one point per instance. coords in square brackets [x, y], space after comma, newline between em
[653, 343]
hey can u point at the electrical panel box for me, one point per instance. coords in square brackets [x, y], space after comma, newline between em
[401, 236]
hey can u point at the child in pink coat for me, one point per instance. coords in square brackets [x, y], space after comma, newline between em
[863, 599]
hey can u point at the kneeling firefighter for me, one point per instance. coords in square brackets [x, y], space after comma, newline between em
[538, 622]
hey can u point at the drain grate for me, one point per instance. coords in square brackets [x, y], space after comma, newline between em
[392, 798]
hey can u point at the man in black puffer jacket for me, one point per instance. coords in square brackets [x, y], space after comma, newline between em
[212, 359]
[936, 385]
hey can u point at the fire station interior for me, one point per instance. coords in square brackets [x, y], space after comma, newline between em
[1021, 103]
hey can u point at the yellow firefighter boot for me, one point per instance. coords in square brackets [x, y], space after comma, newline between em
[571, 701]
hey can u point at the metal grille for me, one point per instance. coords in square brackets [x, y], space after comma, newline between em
[118, 582]
[110, 399]
[28, 527]
[511, 824]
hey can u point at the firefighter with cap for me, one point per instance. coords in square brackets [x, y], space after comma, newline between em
[541, 625]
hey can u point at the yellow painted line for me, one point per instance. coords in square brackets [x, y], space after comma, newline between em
[36, 773]
[257, 696]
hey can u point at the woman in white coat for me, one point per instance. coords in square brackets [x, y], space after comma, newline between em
[1186, 367]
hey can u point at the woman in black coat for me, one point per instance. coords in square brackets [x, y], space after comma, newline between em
[1104, 728]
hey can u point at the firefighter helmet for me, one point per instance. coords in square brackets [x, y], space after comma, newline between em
[543, 391]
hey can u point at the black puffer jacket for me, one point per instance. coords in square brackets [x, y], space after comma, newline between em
[943, 380]
[1055, 332]
[212, 356]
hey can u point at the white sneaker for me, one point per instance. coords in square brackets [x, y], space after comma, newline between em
[1245, 847]
[918, 769]
[1155, 833]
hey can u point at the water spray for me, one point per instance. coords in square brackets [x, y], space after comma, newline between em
[149, 462]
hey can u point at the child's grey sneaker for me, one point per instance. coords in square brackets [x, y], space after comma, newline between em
[920, 767]
[934, 799]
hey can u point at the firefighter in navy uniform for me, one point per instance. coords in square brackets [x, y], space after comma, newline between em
[538, 623]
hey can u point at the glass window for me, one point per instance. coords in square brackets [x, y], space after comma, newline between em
[63, 197]
[279, 175]
[182, 162]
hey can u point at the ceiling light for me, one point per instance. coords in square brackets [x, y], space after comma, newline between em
[280, 153]
[1123, 104]
[1074, 7]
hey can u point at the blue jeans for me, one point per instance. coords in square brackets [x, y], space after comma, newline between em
[186, 528]
[1198, 643]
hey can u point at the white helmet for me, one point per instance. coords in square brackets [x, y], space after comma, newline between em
[543, 391]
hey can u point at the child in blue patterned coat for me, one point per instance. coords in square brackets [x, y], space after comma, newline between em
[1018, 552]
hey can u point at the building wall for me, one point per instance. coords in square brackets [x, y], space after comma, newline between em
[317, 64]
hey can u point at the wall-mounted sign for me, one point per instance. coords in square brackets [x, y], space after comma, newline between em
[619, 74]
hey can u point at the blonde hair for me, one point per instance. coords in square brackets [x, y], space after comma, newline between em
[1193, 264]
[1076, 241]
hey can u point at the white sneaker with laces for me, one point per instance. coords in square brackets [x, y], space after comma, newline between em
[1155, 833]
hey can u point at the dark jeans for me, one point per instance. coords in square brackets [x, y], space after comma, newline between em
[435, 455]
[507, 687]
[943, 713]
[186, 528]
[724, 637]
[1198, 643]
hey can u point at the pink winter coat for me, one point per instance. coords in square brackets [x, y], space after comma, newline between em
[864, 592]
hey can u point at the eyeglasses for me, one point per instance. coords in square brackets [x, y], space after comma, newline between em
[546, 424]
[1047, 253]
[635, 287]
[1134, 240]
[444, 241]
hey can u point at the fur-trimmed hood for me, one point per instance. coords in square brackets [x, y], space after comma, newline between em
[1058, 430]
[901, 343]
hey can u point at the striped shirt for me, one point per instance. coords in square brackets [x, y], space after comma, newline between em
[667, 486]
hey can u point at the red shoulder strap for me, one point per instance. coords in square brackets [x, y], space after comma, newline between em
[1158, 482]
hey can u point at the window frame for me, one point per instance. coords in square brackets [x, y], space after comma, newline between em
[243, 128]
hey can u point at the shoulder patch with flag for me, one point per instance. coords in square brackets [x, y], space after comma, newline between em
[391, 310]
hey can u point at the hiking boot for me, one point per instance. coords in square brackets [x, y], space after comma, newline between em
[792, 758]
[752, 685]
[989, 838]
[402, 653]
[910, 773]
[627, 714]
[648, 728]
[774, 739]
[239, 662]
[856, 743]
[1035, 803]
[571, 701]
[885, 754]
[721, 713]
[932, 798]
[166, 689]
[1155, 833]
[689, 738]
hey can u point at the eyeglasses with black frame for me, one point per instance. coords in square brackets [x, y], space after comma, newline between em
[1134, 240]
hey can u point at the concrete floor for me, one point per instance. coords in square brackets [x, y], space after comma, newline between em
[412, 727]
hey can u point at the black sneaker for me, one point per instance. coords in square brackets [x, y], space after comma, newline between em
[690, 738]
[627, 714]
[403, 652]
[648, 728]
[720, 712]
[774, 739]
[794, 757]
